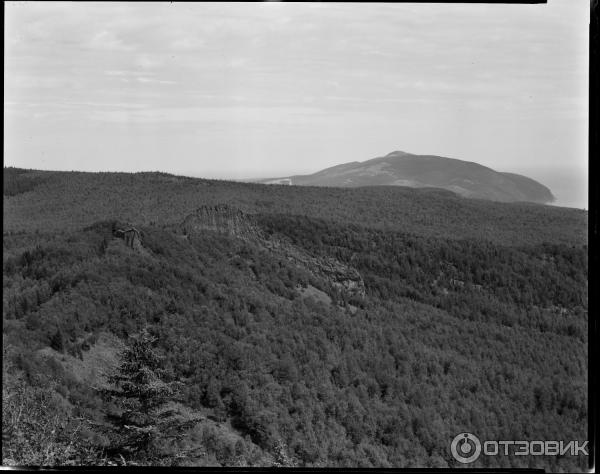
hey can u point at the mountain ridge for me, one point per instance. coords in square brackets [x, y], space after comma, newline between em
[148, 198]
[466, 178]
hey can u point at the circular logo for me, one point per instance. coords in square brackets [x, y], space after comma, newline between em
[465, 447]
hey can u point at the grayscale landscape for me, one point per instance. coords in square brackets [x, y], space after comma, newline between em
[321, 235]
[404, 169]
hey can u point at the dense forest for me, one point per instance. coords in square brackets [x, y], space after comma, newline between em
[213, 347]
[51, 201]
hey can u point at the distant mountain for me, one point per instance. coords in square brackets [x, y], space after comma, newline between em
[398, 168]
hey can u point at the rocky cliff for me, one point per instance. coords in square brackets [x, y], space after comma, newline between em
[229, 220]
[221, 218]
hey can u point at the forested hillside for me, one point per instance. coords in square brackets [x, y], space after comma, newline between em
[50, 201]
[285, 326]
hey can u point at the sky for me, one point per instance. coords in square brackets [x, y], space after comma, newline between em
[235, 91]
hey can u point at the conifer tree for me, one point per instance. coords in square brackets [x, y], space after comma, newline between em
[142, 393]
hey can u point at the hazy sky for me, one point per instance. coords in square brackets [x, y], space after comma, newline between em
[271, 89]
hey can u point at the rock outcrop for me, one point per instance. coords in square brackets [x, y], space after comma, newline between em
[221, 218]
[229, 220]
[131, 236]
[342, 277]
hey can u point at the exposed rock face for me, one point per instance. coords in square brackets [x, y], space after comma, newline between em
[231, 221]
[220, 218]
[131, 236]
[344, 278]
[350, 282]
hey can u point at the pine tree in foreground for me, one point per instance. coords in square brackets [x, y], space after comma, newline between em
[145, 424]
